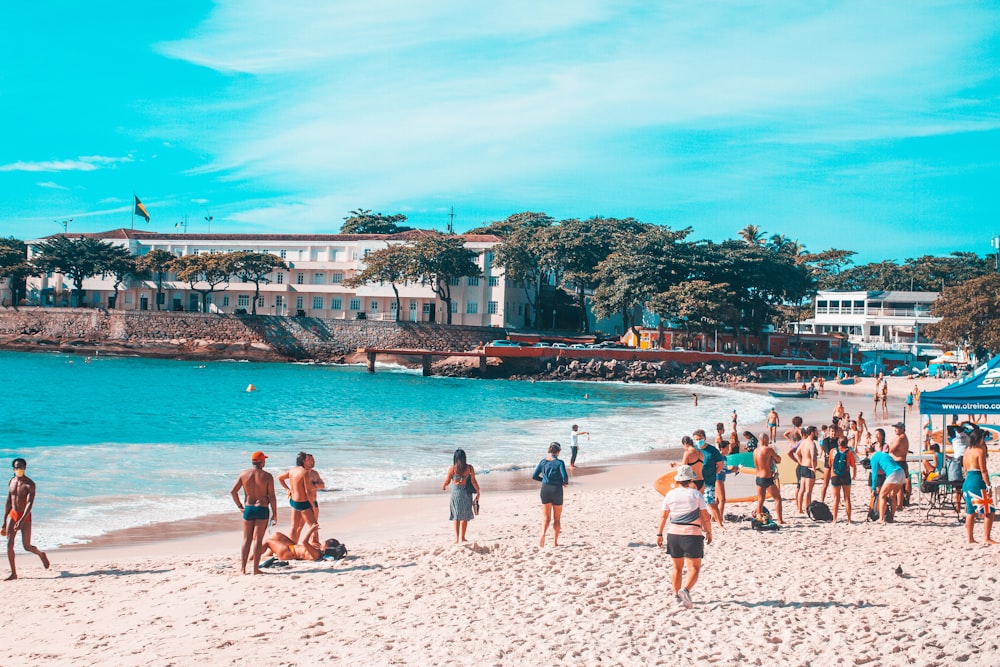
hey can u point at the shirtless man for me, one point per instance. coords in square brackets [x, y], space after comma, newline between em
[885, 399]
[258, 496]
[976, 488]
[313, 483]
[772, 424]
[806, 457]
[17, 515]
[898, 449]
[838, 412]
[298, 482]
[765, 461]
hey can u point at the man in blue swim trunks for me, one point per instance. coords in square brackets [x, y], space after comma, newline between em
[258, 496]
[712, 461]
[301, 494]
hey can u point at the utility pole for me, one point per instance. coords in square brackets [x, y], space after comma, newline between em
[208, 218]
[995, 242]
[65, 224]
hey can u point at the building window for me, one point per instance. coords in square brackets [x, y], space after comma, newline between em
[280, 279]
[128, 298]
[317, 303]
[374, 306]
[473, 281]
[335, 303]
[454, 306]
[355, 304]
[225, 300]
[491, 308]
[471, 308]
[243, 300]
[283, 254]
[300, 278]
[427, 309]
[298, 302]
[260, 301]
[413, 306]
[336, 278]
[279, 301]
[318, 279]
[392, 306]
[494, 281]
[453, 281]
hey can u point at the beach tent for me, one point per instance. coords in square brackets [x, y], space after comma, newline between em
[978, 394]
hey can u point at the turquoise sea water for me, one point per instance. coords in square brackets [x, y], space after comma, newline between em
[118, 442]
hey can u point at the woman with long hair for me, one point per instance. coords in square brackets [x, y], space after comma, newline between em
[551, 472]
[462, 477]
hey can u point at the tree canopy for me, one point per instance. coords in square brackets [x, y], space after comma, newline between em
[439, 259]
[363, 221]
[255, 267]
[394, 264]
[969, 313]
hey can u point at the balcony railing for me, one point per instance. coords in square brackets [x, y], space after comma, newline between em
[874, 312]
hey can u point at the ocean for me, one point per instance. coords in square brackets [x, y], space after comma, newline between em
[121, 442]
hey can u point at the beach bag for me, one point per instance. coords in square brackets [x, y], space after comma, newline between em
[819, 511]
[953, 470]
[763, 526]
[840, 464]
[471, 490]
[873, 514]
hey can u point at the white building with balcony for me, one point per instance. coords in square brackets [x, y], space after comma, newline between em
[313, 284]
[886, 321]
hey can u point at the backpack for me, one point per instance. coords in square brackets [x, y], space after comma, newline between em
[873, 514]
[840, 464]
[819, 511]
[763, 522]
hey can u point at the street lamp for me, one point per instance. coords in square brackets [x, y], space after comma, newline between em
[995, 242]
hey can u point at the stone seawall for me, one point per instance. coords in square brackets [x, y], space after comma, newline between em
[212, 336]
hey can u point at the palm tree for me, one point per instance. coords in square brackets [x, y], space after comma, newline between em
[752, 234]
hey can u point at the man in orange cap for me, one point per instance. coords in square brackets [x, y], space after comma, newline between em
[17, 515]
[258, 495]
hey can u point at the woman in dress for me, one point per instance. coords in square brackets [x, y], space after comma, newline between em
[551, 472]
[462, 477]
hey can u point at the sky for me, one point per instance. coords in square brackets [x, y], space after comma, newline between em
[867, 126]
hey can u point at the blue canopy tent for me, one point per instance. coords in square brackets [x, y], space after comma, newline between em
[978, 394]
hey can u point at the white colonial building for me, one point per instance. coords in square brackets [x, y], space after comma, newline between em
[887, 321]
[312, 286]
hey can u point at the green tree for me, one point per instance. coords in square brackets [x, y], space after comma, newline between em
[120, 264]
[753, 235]
[204, 273]
[256, 268]
[643, 265]
[363, 221]
[969, 312]
[14, 267]
[393, 265]
[439, 259]
[700, 305]
[521, 254]
[574, 248]
[156, 262]
[77, 259]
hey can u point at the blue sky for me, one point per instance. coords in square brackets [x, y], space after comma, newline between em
[870, 126]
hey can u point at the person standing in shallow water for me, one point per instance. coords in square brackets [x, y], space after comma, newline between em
[551, 472]
[17, 515]
[574, 447]
[462, 477]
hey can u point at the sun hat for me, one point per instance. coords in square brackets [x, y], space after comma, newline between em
[685, 473]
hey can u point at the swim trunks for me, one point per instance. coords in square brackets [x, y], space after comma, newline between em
[300, 505]
[685, 546]
[765, 482]
[805, 472]
[14, 515]
[709, 493]
[552, 494]
[771, 425]
[977, 498]
[255, 513]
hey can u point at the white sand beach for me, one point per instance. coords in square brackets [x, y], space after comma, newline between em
[809, 594]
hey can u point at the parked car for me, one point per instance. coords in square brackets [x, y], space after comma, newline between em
[562, 345]
[505, 343]
[580, 346]
[543, 344]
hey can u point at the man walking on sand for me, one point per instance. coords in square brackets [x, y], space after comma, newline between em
[765, 462]
[772, 425]
[258, 496]
[898, 449]
[17, 515]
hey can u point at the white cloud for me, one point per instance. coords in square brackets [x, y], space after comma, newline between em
[51, 185]
[83, 163]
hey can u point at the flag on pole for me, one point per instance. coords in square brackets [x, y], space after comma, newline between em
[140, 210]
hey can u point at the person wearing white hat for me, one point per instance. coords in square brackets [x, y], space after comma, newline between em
[690, 527]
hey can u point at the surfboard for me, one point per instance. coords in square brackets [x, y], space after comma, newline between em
[741, 487]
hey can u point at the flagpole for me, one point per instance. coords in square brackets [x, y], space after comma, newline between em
[133, 209]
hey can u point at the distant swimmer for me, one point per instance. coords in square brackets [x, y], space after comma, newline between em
[17, 515]
[258, 496]
[695, 397]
